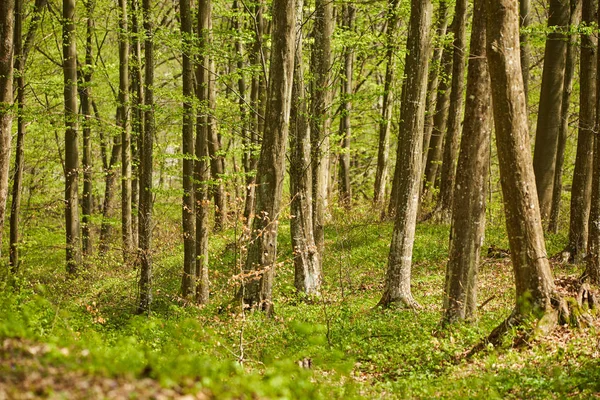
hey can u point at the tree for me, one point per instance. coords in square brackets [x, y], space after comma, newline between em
[468, 209]
[71, 146]
[397, 283]
[383, 150]
[582, 174]
[448, 175]
[549, 114]
[188, 210]
[307, 263]
[320, 99]
[262, 252]
[535, 290]
[145, 207]
[525, 18]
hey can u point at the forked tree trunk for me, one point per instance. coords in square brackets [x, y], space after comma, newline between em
[535, 289]
[570, 60]
[145, 208]
[188, 214]
[448, 175]
[549, 114]
[123, 123]
[468, 210]
[257, 286]
[397, 283]
[202, 163]
[307, 267]
[383, 150]
[73, 257]
[345, 125]
[582, 175]
[320, 89]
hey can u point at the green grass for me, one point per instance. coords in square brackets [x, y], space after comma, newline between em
[357, 350]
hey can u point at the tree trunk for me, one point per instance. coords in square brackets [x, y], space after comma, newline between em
[262, 252]
[468, 210]
[202, 164]
[109, 195]
[20, 54]
[435, 67]
[549, 114]
[348, 12]
[383, 150]
[123, 123]
[525, 18]
[410, 141]
[564, 125]
[320, 89]
[307, 267]
[188, 213]
[73, 254]
[145, 207]
[448, 176]
[533, 278]
[86, 110]
[582, 175]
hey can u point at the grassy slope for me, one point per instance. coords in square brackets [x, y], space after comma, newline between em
[86, 325]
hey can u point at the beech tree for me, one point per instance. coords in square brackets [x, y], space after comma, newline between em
[397, 282]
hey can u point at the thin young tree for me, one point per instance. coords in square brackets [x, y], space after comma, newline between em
[582, 174]
[73, 249]
[307, 267]
[188, 210]
[468, 209]
[256, 291]
[145, 206]
[397, 282]
[549, 114]
[525, 20]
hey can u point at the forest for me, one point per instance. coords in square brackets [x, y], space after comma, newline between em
[299, 199]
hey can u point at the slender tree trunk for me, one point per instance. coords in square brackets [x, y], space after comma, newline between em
[123, 123]
[73, 257]
[86, 110]
[582, 175]
[435, 67]
[440, 119]
[549, 114]
[320, 122]
[448, 176]
[397, 283]
[533, 278]
[525, 18]
[109, 195]
[307, 267]
[564, 126]
[468, 209]
[188, 212]
[262, 252]
[20, 54]
[383, 150]
[137, 117]
[145, 207]
[345, 126]
[202, 164]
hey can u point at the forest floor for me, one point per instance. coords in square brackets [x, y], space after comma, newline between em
[80, 338]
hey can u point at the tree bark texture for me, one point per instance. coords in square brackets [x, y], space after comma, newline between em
[397, 283]
[533, 278]
[525, 20]
[582, 174]
[73, 254]
[468, 210]
[549, 114]
[257, 286]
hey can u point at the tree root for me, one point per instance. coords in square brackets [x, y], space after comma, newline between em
[405, 302]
